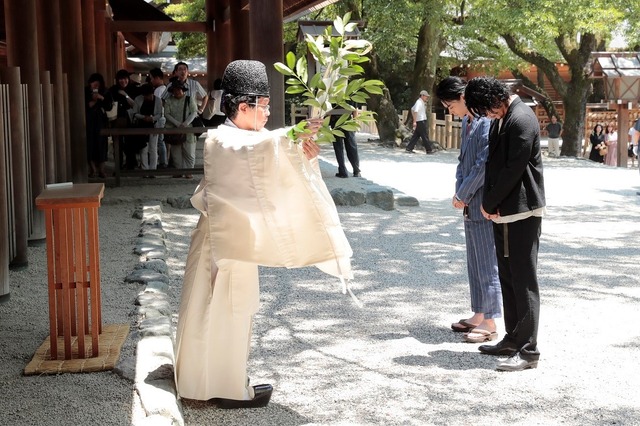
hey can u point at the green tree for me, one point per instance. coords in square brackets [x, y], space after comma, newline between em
[190, 45]
[408, 38]
[543, 32]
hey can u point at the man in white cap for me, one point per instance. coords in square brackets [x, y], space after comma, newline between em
[262, 202]
[419, 112]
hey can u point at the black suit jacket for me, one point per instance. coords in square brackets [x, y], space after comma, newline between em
[513, 177]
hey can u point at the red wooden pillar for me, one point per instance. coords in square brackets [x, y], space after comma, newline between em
[237, 30]
[11, 77]
[101, 41]
[73, 64]
[89, 38]
[623, 131]
[212, 22]
[266, 31]
[52, 61]
[22, 31]
[48, 128]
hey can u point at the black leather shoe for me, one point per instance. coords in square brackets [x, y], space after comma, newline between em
[342, 175]
[505, 347]
[410, 151]
[260, 399]
[356, 174]
[517, 363]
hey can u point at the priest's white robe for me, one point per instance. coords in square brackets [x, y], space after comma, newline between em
[262, 202]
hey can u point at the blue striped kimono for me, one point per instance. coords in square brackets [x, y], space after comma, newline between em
[482, 264]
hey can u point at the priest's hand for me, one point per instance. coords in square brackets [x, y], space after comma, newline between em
[310, 148]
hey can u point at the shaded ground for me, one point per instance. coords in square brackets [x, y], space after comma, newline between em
[394, 362]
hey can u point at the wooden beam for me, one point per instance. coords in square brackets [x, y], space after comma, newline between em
[158, 26]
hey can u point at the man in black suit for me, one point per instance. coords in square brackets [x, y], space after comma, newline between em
[514, 200]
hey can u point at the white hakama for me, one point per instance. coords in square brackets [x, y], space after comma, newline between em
[262, 203]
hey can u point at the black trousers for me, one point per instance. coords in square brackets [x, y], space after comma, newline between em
[347, 143]
[517, 250]
[420, 133]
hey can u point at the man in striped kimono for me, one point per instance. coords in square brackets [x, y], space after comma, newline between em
[482, 265]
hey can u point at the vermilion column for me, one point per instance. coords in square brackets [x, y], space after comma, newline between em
[89, 38]
[101, 40]
[73, 65]
[48, 127]
[238, 29]
[52, 48]
[266, 29]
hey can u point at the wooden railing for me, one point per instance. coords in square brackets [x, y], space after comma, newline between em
[115, 133]
[446, 132]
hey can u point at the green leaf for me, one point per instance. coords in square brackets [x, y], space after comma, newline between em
[351, 57]
[339, 26]
[372, 83]
[346, 17]
[374, 90]
[291, 60]
[317, 78]
[312, 102]
[300, 67]
[351, 127]
[350, 27]
[295, 90]
[337, 133]
[347, 106]
[359, 99]
[283, 69]
[350, 71]
[354, 85]
[343, 118]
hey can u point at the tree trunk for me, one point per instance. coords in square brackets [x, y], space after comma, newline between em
[382, 105]
[574, 92]
[430, 45]
[574, 115]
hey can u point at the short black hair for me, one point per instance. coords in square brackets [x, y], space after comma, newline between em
[122, 74]
[156, 72]
[175, 68]
[484, 94]
[231, 103]
[451, 89]
[97, 77]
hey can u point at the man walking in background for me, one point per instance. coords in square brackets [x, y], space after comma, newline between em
[514, 200]
[419, 112]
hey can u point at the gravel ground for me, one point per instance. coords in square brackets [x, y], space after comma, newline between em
[395, 361]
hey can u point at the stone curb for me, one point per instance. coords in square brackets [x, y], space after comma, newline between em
[154, 366]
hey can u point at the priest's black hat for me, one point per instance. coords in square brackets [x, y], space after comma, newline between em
[244, 77]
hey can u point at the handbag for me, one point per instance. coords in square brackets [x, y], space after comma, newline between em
[604, 150]
[112, 113]
[178, 139]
